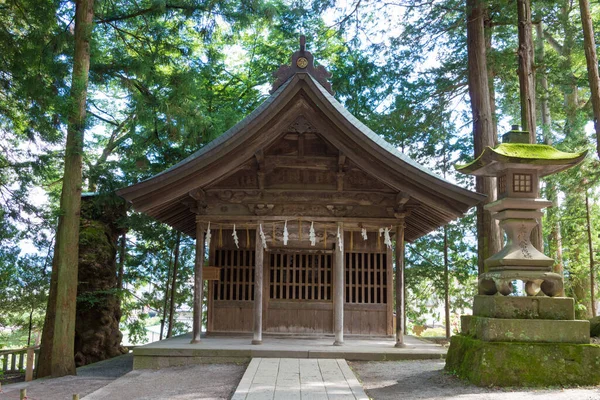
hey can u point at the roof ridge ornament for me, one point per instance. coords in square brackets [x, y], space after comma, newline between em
[302, 61]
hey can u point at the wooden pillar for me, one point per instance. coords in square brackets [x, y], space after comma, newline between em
[258, 286]
[198, 283]
[338, 286]
[400, 285]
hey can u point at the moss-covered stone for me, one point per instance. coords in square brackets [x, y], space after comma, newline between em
[520, 153]
[525, 330]
[523, 364]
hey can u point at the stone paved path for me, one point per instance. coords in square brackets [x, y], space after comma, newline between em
[295, 379]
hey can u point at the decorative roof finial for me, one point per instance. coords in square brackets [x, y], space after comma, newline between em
[302, 62]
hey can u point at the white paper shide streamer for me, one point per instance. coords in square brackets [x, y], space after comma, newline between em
[262, 237]
[381, 231]
[311, 234]
[208, 236]
[386, 238]
[340, 239]
[286, 234]
[235, 237]
[363, 233]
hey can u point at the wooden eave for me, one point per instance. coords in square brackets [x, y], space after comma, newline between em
[164, 195]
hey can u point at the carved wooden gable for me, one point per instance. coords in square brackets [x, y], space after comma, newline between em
[301, 159]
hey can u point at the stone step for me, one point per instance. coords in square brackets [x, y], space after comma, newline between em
[525, 330]
[534, 307]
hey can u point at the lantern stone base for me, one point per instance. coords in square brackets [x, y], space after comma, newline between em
[525, 330]
[536, 307]
[523, 364]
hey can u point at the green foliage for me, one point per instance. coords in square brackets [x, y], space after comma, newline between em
[167, 78]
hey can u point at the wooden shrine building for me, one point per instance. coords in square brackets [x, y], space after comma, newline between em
[299, 205]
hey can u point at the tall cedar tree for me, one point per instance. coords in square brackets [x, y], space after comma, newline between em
[56, 354]
[526, 69]
[488, 235]
[592, 65]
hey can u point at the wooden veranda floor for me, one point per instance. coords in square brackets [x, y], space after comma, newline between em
[178, 350]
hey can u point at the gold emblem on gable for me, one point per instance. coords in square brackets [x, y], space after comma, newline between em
[302, 62]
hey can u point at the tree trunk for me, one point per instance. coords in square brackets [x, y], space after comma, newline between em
[489, 31]
[592, 65]
[488, 234]
[163, 320]
[29, 328]
[174, 285]
[122, 249]
[57, 352]
[591, 250]
[165, 305]
[526, 70]
[569, 87]
[446, 284]
[97, 333]
[543, 85]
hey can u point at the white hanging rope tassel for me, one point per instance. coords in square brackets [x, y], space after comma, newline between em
[286, 234]
[208, 236]
[386, 238]
[262, 236]
[235, 237]
[363, 232]
[340, 239]
[311, 234]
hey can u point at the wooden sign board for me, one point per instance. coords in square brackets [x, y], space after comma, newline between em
[211, 273]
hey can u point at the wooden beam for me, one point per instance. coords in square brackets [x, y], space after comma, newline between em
[198, 283]
[400, 285]
[235, 219]
[338, 287]
[258, 287]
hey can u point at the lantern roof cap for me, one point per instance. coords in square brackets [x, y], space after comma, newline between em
[544, 158]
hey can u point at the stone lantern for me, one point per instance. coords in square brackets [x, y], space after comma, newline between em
[518, 167]
[513, 340]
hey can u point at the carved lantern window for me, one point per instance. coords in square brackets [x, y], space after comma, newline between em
[502, 185]
[522, 183]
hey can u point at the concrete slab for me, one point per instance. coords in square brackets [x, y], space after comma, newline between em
[178, 351]
[298, 379]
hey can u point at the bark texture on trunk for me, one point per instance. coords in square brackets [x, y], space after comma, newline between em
[174, 285]
[542, 74]
[591, 58]
[488, 233]
[97, 333]
[57, 352]
[591, 251]
[526, 70]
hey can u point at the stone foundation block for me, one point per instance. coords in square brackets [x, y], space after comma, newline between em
[525, 330]
[533, 307]
[523, 364]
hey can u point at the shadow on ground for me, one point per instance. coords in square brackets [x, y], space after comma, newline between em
[427, 380]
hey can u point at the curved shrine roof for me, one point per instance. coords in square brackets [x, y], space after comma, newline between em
[433, 200]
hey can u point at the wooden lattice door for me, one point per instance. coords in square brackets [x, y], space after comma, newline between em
[300, 291]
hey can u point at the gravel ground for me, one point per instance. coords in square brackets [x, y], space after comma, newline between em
[114, 379]
[427, 380]
[205, 381]
[89, 378]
